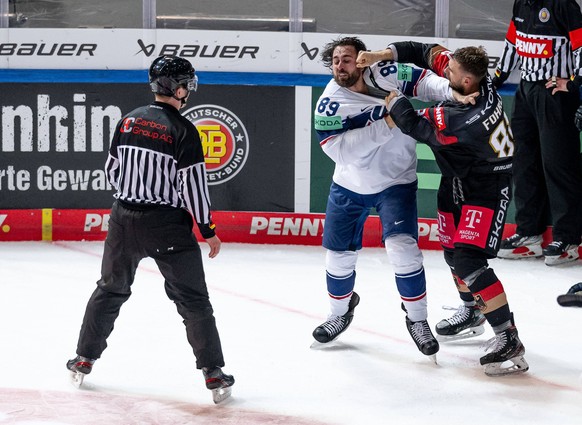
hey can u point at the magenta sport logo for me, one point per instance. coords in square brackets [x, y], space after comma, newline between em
[225, 141]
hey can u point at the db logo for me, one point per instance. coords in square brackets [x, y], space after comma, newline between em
[224, 140]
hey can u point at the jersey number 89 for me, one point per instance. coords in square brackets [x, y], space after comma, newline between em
[327, 107]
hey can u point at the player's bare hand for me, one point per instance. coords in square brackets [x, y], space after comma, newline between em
[393, 94]
[557, 84]
[214, 244]
[465, 99]
[389, 121]
[365, 58]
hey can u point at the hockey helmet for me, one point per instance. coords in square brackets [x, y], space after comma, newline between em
[167, 73]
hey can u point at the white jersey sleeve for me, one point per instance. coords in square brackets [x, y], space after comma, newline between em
[422, 84]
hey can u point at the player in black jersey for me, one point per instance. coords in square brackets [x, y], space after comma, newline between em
[544, 40]
[473, 146]
[156, 164]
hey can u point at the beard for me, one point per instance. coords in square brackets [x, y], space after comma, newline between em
[347, 80]
[457, 87]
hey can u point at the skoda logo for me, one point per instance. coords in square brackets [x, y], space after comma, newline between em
[224, 140]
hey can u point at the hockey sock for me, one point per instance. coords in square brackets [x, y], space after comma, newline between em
[340, 290]
[464, 291]
[412, 289]
[490, 297]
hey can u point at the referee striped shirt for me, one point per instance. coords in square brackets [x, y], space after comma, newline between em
[156, 158]
[544, 39]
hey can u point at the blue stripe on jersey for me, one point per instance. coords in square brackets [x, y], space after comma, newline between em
[409, 88]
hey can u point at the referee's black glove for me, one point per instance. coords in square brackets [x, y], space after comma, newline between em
[578, 119]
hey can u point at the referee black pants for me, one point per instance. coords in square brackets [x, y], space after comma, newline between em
[546, 166]
[164, 234]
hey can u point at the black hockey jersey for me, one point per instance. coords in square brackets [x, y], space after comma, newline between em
[156, 158]
[464, 138]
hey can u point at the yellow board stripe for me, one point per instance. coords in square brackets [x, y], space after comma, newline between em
[47, 224]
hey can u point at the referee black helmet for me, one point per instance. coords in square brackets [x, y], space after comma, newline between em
[167, 73]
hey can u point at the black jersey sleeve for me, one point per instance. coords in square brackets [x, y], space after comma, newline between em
[428, 56]
[428, 125]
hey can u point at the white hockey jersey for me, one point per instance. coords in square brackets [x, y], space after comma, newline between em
[369, 156]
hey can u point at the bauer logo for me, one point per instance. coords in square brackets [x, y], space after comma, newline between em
[224, 140]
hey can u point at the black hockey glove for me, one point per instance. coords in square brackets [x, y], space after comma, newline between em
[578, 119]
[573, 298]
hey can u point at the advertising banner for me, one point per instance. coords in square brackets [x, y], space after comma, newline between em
[232, 226]
[55, 140]
[219, 51]
[21, 225]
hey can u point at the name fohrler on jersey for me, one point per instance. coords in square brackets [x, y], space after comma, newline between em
[492, 119]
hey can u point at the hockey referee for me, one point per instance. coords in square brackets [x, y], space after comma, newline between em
[156, 163]
[545, 40]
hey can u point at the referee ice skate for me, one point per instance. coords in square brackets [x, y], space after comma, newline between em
[156, 164]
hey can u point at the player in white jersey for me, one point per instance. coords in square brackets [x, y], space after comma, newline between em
[375, 167]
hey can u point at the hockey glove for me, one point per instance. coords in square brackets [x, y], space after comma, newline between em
[578, 119]
[573, 298]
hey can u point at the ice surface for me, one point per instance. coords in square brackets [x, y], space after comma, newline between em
[267, 301]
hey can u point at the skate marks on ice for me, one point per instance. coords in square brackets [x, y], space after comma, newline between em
[19, 406]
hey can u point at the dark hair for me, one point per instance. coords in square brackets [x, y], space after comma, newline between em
[473, 59]
[327, 53]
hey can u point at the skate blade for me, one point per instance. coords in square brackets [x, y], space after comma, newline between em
[334, 344]
[496, 369]
[433, 357]
[221, 394]
[77, 379]
[567, 257]
[466, 334]
[316, 345]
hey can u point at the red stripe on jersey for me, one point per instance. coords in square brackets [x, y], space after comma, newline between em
[422, 75]
[446, 140]
[439, 118]
[440, 62]
[324, 141]
[491, 291]
[511, 33]
[576, 38]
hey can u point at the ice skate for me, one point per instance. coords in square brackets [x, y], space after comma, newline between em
[559, 252]
[335, 325]
[467, 322]
[505, 347]
[218, 382]
[517, 246]
[573, 298]
[79, 367]
[423, 338]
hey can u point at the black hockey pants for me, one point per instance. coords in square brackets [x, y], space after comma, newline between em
[546, 166]
[164, 234]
